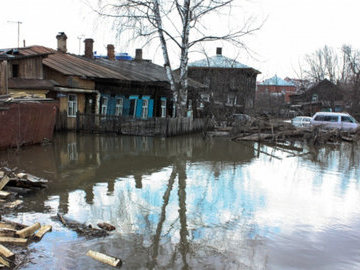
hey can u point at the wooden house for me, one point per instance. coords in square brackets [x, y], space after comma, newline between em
[322, 96]
[146, 92]
[230, 84]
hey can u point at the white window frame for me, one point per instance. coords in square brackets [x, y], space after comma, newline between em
[163, 107]
[72, 105]
[104, 105]
[119, 106]
[145, 108]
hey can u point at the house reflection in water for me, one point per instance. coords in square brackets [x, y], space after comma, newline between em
[184, 201]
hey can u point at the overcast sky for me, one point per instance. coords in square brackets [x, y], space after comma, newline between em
[292, 30]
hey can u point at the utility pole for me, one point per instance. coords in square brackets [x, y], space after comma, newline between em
[18, 23]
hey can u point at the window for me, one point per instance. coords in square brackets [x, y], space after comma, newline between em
[72, 105]
[104, 105]
[314, 98]
[163, 107]
[15, 70]
[145, 108]
[347, 119]
[119, 106]
[326, 118]
[205, 97]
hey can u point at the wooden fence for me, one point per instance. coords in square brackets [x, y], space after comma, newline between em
[139, 127]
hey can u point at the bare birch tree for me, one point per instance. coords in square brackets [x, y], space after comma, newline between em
[179, 22]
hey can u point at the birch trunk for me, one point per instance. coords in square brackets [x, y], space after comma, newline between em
[183, 91]
[164, 48]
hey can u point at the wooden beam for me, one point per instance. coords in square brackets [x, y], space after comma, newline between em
[28, 231]
[12, 240]
[44, 229]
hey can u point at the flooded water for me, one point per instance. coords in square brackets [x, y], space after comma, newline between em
[194, 203]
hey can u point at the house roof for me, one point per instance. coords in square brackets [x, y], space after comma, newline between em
[74, 65]
[71, 65]
[276, 81]
[220, 61]
[143, 71]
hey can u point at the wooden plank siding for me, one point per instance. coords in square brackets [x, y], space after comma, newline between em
[164, 127]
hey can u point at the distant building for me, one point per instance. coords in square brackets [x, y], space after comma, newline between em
[276, 87]
[322, 96]
[230, 84]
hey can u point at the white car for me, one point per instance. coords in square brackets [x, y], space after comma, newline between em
[301, 121]
[342, 121]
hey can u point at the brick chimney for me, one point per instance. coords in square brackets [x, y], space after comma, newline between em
[218, 51]
[138, 54]
[61, 42]
[89, 48]
[111, 52]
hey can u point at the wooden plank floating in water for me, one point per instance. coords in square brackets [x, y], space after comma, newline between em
[6, 252]
[13, 240]
[4, 181]
[104, 258]
[4, 194]
[28, 231]
[13, 204]
[106, 226]
[44, 229]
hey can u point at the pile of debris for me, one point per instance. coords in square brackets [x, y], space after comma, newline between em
[14, 183]
[14, 234]
[277, 131]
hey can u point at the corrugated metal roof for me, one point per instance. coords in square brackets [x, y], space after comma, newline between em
[219, 61]
[276, 81]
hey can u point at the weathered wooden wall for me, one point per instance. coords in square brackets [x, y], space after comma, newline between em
[165, 127]
[239, 83]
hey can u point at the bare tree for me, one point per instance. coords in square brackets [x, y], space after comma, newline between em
[322, 64]
[351, 75]
[183, 23]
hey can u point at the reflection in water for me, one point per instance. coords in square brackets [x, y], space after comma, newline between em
[189, 203]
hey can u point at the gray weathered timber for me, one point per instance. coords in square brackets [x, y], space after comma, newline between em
[165, 127]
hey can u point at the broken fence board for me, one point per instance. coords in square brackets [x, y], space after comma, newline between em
[5, 225]
[104, 258]
[4, 181]
[44, 229]
[28, 231]
[6, 252]
[12, 240]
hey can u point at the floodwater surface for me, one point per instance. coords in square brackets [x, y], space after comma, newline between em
[194, 203]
